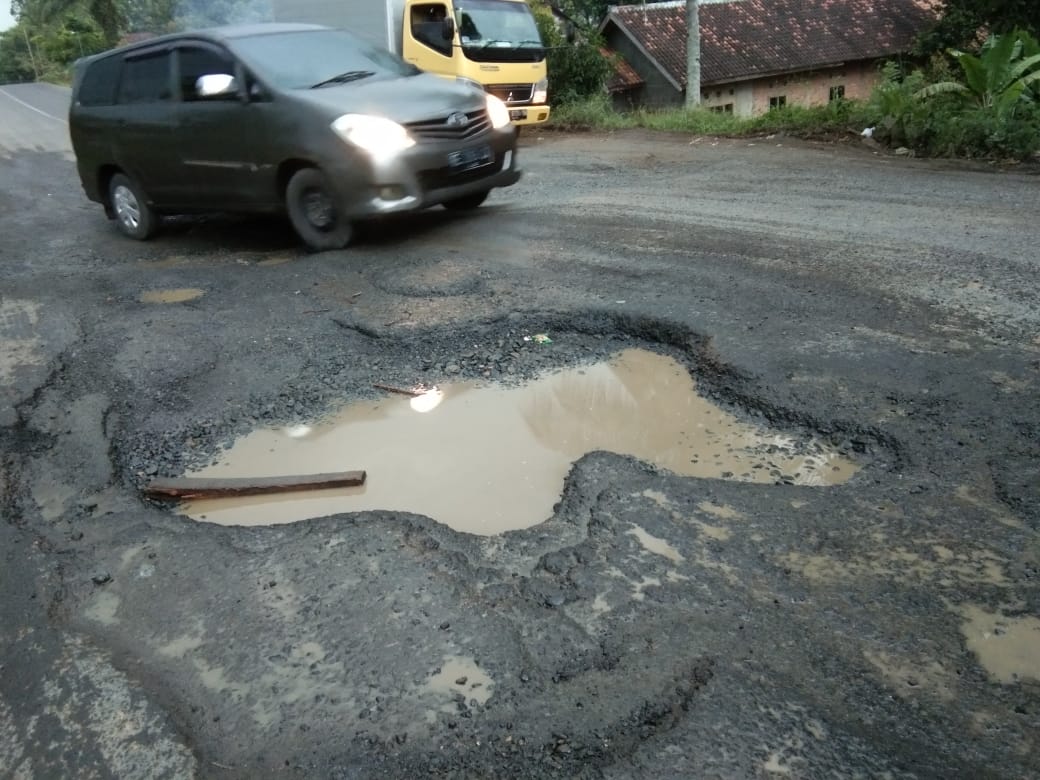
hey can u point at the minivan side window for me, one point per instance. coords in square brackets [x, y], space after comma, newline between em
[146, 79]
[195, 61]
[98, 87]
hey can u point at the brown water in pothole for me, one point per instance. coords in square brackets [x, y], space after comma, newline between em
[461, 675]
[488, 459]
[178, 295]
[1008, 648]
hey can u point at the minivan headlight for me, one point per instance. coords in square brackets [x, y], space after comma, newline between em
[497, 112]
[379, 136]
[541, 92]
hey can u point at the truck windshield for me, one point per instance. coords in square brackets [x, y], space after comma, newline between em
[309, 58]
[497, 30]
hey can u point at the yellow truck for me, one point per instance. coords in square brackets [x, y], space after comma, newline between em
[493, 44]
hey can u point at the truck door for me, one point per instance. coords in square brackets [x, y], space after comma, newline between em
[217, 138]
[424, 43]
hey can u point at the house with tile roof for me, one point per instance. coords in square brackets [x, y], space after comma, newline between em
[759, 54]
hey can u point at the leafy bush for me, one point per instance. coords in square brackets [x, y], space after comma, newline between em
[978, 132]
[1005, 74]
[993, 112]
[578, 70]
[899, 117]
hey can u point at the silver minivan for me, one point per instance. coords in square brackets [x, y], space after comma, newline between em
[296, 119]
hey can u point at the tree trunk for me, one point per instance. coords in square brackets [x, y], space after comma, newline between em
[693, 54]
[32, 59]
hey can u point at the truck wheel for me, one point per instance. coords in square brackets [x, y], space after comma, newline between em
[313, 211]
[134, 217]
[468, 202]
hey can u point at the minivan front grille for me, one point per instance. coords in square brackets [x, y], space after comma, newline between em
[511, 94]
[453, 127]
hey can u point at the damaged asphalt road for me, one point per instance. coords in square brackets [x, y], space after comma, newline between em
[655, 625]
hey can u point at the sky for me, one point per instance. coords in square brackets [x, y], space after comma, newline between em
[5, 15]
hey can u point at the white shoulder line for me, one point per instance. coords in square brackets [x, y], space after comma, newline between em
[33, 108]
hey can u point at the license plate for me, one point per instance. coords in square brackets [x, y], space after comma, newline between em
[517, 113]
[466, 159]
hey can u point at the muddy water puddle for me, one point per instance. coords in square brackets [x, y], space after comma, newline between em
[177, 295]
[461, 676]
[1007, 647]
[486, 459]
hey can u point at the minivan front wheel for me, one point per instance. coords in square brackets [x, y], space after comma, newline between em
[134, 217]
[313, 211]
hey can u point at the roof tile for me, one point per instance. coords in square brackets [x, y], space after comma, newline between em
[623, 76]
[745, 38]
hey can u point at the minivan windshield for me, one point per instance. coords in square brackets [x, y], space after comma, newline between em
[308, 58]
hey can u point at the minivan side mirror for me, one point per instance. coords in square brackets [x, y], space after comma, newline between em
[215, 85]
[448, 28]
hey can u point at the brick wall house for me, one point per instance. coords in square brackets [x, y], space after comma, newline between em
[759, 54]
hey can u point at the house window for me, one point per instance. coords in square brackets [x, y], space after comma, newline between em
[723, 109]
[779, 101]
[838, 92]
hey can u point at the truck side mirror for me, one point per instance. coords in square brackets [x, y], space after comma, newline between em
[448, 28]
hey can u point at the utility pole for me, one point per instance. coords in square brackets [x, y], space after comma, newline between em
[693, 54]
[32, 59]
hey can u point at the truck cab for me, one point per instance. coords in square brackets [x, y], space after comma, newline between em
[493, 43]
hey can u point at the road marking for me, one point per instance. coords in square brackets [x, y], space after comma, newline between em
[33, 108]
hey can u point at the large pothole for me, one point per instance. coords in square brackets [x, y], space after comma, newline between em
[485, 459]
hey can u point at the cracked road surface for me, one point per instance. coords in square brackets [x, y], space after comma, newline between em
[655, 626]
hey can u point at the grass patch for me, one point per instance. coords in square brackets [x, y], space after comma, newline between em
[598, 114]
[941, 127]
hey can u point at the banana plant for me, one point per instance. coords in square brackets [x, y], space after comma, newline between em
[1005, 73]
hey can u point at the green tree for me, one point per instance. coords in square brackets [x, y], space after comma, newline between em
[154, 16]
[15, 63]
[51, 34]
[964, 23]
[195, 14]
[588, 12]
[108, 17]
[577, 68]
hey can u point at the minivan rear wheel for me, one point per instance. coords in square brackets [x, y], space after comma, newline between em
[313, 211]
[134, 217]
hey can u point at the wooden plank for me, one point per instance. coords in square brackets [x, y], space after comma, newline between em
[218, 487]
[400, 390]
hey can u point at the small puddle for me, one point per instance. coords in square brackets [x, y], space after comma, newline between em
[269, 262]
[177, 295]
[1008, 648]
[461, 675]
[487, 459]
